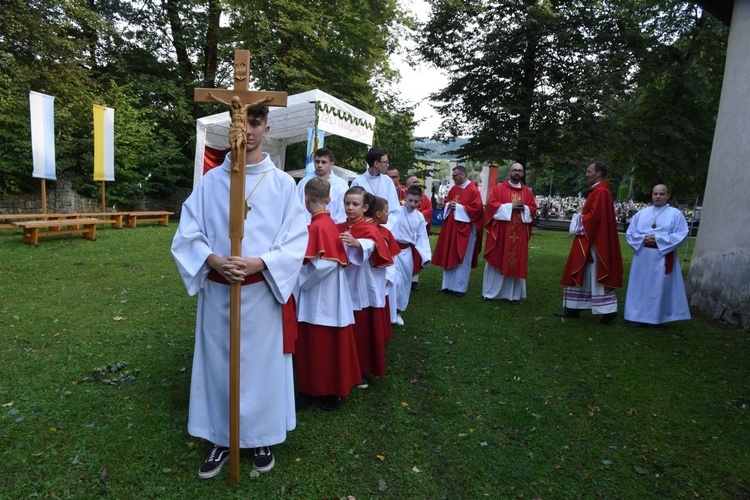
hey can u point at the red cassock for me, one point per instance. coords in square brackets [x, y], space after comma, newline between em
[324, 239]
[507, 247]
[401, 191]
[366, 228]
[384, 313]
[369, 323]
[326, 361]
[600, 225]
[453, 240]
[390, 240]
[425, 206]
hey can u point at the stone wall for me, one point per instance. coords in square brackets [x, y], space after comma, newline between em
[62, 199]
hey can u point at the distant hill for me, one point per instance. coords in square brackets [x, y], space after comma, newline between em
[437, 150]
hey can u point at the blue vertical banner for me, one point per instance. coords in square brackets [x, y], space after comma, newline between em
[42, 107]
[315, 140]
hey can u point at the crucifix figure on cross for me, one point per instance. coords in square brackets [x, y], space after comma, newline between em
[237, 133]
[254, 276]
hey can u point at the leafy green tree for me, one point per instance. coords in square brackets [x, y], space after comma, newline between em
[555, 84]
[341, 47]
[52, 60]
[667, 123]
[144, 58]
[524, 74]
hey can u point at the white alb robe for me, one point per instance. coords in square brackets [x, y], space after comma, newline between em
[379, 185]
[457, 278]
[654, 297]
[363, 288]
[591, 294]
[495, 286]
[339, 187]
[390, 290]
[408, 226]
[275, 231]
[324, 297]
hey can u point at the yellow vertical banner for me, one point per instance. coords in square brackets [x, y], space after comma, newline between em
[104, 143]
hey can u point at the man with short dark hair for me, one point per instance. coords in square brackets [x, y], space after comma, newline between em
[656, 290]
[460, 238]
[373, 180]
[324, 163]
[425, 206]
[511, 208]
[270, 261]
[395, 176]
[594, 267]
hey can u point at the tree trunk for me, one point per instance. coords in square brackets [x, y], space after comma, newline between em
[210, 51]
[178, 40]
[528, 82]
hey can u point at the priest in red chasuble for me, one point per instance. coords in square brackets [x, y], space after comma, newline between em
[594, 267]
[460, 238]
[511, 208]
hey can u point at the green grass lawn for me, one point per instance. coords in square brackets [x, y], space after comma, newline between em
[481, 399]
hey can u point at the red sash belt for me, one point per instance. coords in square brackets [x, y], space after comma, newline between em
[668, 259]
[288, 310]
[415, 257]
[216, 277]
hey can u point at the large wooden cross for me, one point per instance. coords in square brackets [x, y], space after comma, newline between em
[239, 99]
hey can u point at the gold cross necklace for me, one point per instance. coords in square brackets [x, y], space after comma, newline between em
[375, 191]
[656, 216]
[247, 200]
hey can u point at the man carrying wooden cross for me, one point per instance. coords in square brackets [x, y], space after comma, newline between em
[273, 247]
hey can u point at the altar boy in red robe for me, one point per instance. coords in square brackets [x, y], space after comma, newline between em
[368, 255]
[388, 314]
[326, 358]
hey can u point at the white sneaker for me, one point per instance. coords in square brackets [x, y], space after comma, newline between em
[399, 320]
[364, 384]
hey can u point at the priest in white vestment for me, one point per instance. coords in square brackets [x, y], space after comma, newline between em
[273, 247]
[656, 290]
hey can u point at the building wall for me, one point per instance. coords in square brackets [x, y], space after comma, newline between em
[719, 278]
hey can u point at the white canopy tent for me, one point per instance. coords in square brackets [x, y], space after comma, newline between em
[312, 109]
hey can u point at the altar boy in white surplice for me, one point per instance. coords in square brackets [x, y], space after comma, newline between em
[274, 243]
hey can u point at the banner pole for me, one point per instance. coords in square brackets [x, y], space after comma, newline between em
[44, 196]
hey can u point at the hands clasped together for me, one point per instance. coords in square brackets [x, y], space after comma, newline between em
[236, 269]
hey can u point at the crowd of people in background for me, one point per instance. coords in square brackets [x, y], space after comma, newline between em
[563, 207]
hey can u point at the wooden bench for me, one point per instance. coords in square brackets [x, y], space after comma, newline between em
[31, 229]
[158, 216]
[115, 218]
[7, 220]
